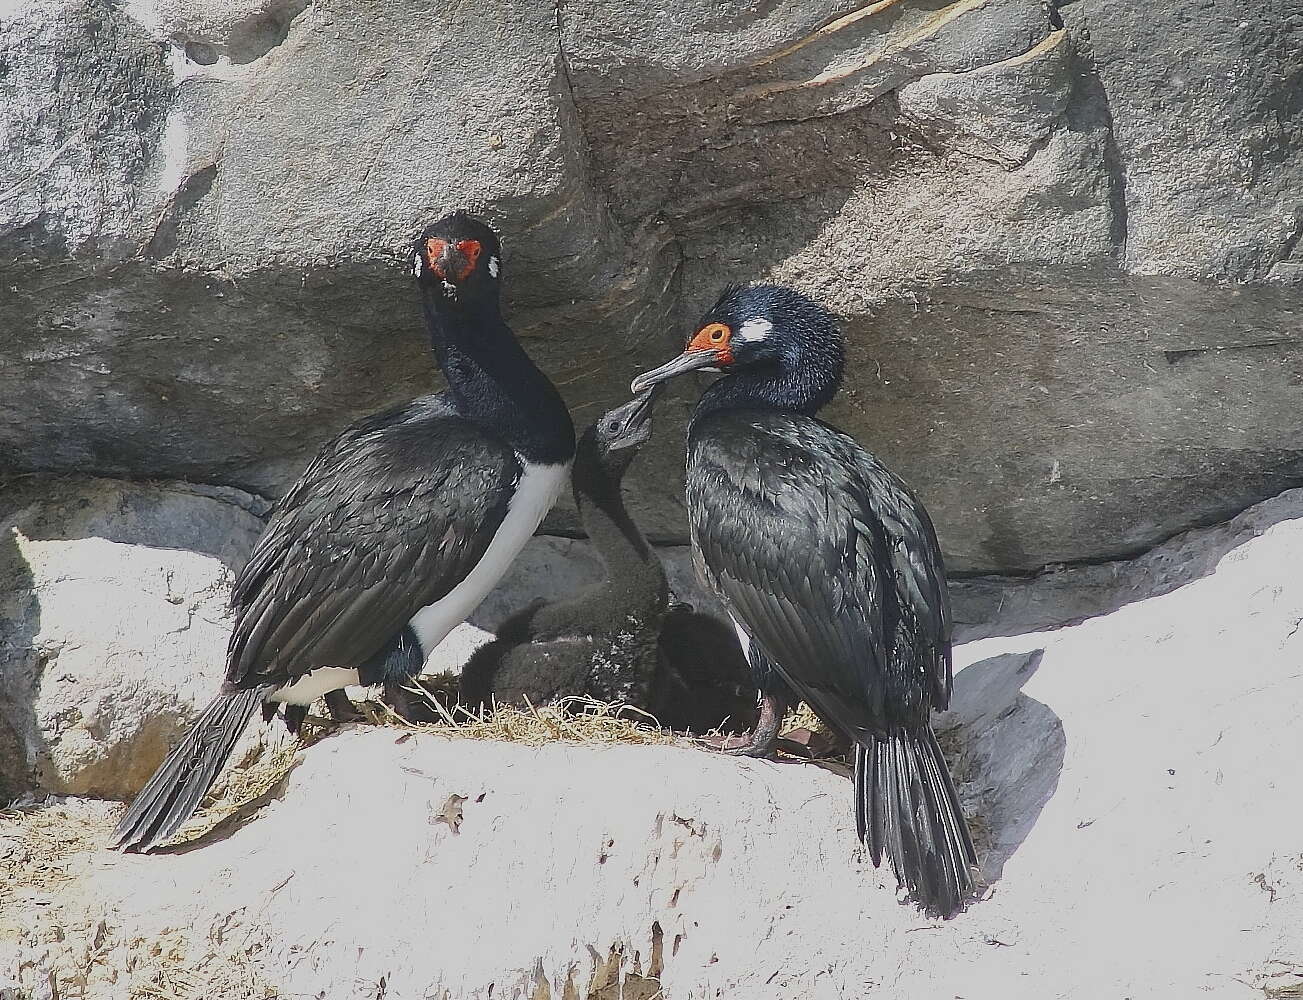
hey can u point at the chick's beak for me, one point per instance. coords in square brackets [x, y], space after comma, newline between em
[690, 360]
[637, 415]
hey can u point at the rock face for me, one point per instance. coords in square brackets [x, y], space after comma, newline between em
[112, 627]
[1129, 780]
[1064, 242]
[995, 606]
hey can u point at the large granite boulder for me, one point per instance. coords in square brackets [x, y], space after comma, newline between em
[1064, 241]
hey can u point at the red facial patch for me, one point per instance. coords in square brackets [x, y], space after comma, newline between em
[433, 251]
[469, 249]
[714, 337]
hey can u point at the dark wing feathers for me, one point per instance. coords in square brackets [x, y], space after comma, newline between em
[828, 560]
[389, 517]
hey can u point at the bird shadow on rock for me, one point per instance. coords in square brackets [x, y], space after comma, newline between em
[1006, 752]
[233, 821]
[244, 790]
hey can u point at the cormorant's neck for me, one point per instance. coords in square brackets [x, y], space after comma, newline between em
[493, 382]
[636, 579]
[795, 386]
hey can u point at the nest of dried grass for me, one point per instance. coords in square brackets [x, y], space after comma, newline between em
[39, 841]
[64, 944]
[257, 774]
[568, 720]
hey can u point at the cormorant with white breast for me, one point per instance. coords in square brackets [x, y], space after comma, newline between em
[601, 643]
[830, 567]
[621, 640]
[396, 531]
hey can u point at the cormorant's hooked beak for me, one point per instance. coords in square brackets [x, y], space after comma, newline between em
[691, 360]
[635, 416]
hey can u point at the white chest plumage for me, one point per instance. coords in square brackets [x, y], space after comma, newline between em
[536, 491]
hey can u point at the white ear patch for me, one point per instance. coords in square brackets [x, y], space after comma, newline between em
[493, 266]
[416, 265]
[754, 330]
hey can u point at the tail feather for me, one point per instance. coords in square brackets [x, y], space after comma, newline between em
[907, 809]
[172, 795]
[869, 836]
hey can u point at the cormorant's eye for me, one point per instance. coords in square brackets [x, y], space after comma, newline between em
[713, 337]
[613, 426]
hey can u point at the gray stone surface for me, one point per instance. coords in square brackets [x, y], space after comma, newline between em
[1032, 220]
[1205, 101]
[1000, 606]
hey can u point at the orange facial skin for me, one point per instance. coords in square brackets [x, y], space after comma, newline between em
[714, 337]
[433, 251]
[469, 249]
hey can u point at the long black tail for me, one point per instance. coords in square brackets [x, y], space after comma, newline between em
[905, 803]
[173, 793]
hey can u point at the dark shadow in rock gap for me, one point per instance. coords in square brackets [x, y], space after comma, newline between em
[1008, 606]
[260, 32]
[701, 682]
[21, 668]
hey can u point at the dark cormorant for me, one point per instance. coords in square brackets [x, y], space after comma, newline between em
[393, 535]
[830, 567]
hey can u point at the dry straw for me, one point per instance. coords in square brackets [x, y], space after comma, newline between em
[568, 720]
